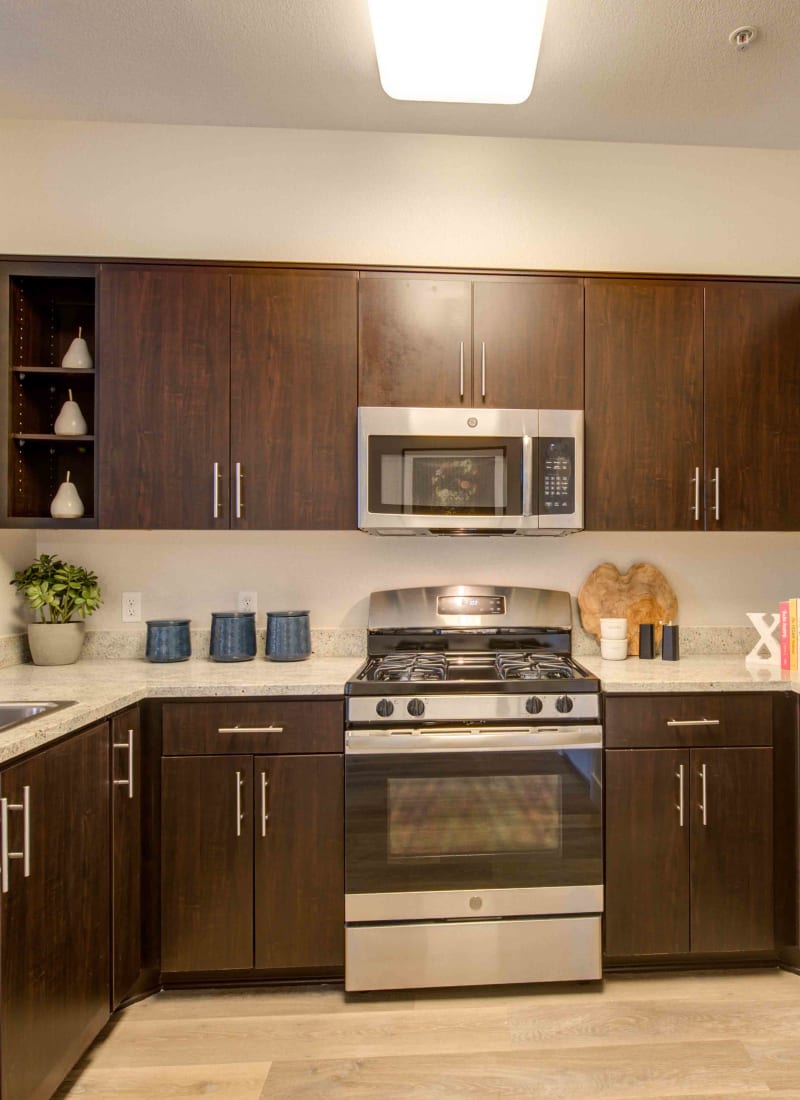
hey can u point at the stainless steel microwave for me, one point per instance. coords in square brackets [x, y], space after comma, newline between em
[470, 471]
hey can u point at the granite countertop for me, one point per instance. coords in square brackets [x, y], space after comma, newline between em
[103, 686]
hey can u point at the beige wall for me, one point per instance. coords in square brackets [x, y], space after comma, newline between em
[98, 189]
[17, 550]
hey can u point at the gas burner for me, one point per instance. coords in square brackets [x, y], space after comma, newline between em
[412, 667]
[533, 666]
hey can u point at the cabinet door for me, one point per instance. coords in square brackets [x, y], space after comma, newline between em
[164, 397]
[299, 870]
[752, 397]
[647, 852]
[414, 345]
[206, 863]
[528, 344]
[644, 404]
[294, 369]
[54, 991]
[732, 906]
[126, 853]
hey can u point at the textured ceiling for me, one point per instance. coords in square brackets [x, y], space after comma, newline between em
[610, 70]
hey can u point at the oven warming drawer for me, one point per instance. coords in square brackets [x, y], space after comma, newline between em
[474, 952]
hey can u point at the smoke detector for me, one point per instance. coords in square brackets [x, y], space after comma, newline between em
[743, 37]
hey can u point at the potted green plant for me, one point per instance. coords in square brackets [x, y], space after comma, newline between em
[58, 593]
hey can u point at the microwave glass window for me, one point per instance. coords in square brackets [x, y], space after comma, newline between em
[473, 815]
[445, 477]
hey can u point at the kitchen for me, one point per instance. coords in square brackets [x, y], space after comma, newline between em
[341, 195]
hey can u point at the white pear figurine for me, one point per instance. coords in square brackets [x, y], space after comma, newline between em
[70, 421]
[66, 504]
[77, 357]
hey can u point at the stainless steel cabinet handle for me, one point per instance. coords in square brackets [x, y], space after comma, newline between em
[715, 482]
[264, 812]
[129, 746]
[679, 807]
[704, 804]
[250, 729]
[239, 478]
[461, 371]
[483, 369]
[239, 814]
[5, 853]
[215, 490]
[527, 476]
[693, 722]
[696, 483]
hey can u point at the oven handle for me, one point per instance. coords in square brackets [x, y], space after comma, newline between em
[400, 742]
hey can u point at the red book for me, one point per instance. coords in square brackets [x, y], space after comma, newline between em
[786, 659]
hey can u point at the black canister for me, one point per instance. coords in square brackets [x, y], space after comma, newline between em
[168, 640]
[670, 644]
[233, 636]
[646, 641]
[288, 635]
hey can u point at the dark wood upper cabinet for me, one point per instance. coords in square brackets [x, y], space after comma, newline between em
[126, 853]
[299, 862]
[164, 397]
[752, 397]
[294, 370]
[414, 341]
[489, 342]
[54, 991]
[528, 343]
[644, 405]
[206, 863]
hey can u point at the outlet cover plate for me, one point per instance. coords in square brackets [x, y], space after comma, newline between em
[131, 607]
[247, 601]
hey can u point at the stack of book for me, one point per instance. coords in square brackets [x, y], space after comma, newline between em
[789, 610]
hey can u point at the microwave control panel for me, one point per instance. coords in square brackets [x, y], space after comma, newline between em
[556, 476]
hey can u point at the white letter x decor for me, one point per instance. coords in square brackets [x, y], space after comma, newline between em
[766, 639]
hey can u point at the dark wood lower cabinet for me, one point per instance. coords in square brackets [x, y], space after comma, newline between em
[54, 988]
[689, 851]
[126, 854]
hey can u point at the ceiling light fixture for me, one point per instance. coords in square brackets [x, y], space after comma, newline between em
[458, 51]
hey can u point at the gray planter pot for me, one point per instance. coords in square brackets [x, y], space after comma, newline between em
[55, 643]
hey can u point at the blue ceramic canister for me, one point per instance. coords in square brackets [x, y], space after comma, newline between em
[168, 640]
[233, 636]
[288, 636]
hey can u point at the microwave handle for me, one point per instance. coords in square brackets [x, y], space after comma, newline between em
[527, 475]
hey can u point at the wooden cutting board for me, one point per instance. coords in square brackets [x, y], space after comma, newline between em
[642, 595]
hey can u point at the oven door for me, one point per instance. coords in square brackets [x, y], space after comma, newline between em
[483, 822]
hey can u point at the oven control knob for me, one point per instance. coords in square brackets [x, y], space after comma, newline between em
[416, 708]
[564, 704]
[385, 708]
[533, 705]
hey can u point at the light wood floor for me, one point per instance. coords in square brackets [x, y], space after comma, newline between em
[654, 1037]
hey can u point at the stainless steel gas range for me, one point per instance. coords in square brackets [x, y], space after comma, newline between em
[473, 793]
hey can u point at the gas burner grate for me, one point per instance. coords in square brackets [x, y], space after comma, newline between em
[533, 666]
[412, 667]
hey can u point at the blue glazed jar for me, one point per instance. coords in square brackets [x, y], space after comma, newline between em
[288, 636]
[168, 640]
[233, 636]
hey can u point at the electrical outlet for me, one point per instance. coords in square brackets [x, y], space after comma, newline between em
[131, 607]
[248, 601]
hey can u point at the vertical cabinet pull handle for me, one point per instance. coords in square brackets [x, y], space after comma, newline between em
[239, 814]
[215, 490]
[128, 745]
[696, 483]
[715, 481]
[461, 371]
[483, 369]
[239, 479]
[264, 803]
[6, 855]
[679, 806]
[704, 794]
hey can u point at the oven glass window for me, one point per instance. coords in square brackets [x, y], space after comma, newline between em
[473, 815]
[432, 476]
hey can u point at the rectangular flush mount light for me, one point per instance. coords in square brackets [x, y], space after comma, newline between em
[458, 51]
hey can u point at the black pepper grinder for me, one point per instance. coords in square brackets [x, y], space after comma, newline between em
[646, 641]
[670, 645]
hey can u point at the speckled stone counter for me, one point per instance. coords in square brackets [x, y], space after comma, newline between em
[719, 672]
[100, 687]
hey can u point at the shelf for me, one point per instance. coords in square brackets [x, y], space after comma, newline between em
[50, 437]
[67, 371]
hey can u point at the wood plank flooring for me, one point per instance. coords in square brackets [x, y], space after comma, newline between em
[734, 1034]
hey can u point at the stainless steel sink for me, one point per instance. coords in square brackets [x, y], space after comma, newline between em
[11, 714]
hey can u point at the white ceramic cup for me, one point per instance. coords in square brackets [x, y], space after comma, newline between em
[613, 628]
[613, 649]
